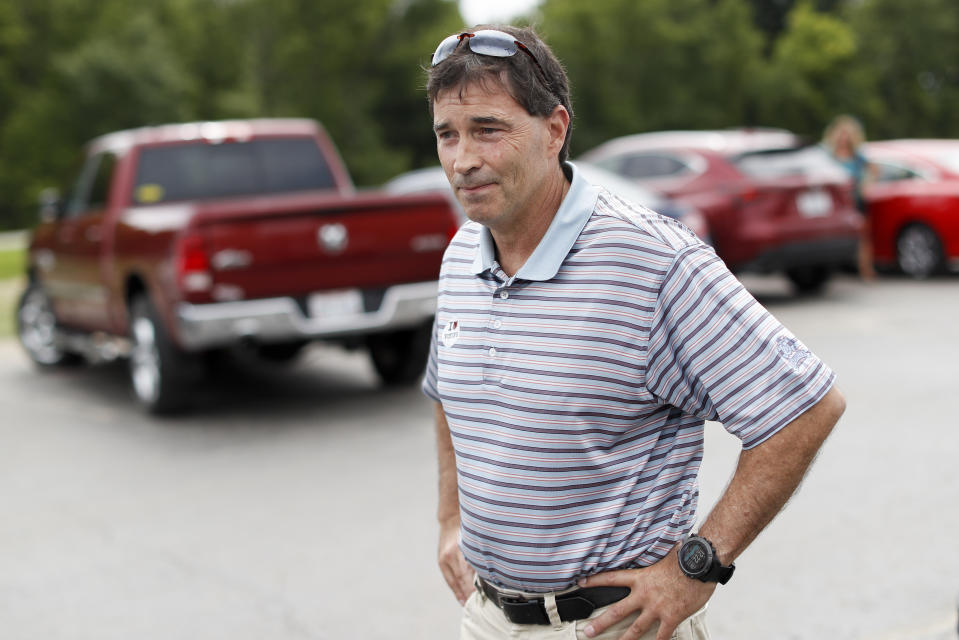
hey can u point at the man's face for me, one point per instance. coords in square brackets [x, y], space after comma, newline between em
[495, 155]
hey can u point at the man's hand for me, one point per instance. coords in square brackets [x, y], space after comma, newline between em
[458, 574]
[662, 593]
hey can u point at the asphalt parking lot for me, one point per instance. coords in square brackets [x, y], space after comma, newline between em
[298, 503]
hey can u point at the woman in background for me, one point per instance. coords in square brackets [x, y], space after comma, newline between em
[843, 138]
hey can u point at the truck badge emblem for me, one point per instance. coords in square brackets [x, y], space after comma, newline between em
[333, 237]
[451, 333]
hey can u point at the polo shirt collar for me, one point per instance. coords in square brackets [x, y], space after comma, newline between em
[546, 259]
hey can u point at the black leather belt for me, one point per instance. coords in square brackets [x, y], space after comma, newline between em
[573, 605]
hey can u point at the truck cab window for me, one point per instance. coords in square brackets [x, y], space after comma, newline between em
[91, 189]
[201, 171]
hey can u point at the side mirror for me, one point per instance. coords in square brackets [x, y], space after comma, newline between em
[50, 204]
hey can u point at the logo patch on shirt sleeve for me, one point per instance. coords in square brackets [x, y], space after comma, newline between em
[451, 333]
[794, 353]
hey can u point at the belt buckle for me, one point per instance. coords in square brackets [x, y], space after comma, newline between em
[503, 598]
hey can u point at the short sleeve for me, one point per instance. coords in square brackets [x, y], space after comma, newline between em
[716, 353]
[429, 380]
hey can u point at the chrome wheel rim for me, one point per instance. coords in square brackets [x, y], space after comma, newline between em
[145, 361]
[918, 251]
[37, 328]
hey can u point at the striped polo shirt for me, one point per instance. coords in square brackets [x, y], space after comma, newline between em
[576, 391]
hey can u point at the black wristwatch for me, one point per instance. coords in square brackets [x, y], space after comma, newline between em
[697, 559]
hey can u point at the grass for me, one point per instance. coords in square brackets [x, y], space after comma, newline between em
[11, 284]
[12, 263]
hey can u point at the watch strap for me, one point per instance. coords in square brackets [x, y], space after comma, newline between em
[719, 573]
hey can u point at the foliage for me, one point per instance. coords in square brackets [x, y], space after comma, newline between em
[909, 52]
[807, 79]
[657, 64]
[73, 69]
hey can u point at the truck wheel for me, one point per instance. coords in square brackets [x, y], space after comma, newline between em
[919, 251]
[161, 373]
[37, 329]
[400, 357]
[809, 280]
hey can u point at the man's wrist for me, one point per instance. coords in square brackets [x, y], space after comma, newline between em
[698, 560]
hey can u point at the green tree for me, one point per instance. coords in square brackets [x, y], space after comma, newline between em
[125, 76]
[657, 64]
[811, 75]
[908, 59]
[355, 67]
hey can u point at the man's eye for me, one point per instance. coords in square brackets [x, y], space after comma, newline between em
[488, 131]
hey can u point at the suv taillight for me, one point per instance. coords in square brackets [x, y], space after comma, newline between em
[193, 265]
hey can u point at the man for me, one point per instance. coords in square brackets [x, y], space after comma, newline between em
[581, 341]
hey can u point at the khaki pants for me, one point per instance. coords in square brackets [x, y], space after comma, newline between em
[483, 620]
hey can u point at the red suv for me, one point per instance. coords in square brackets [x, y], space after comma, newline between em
[771, 202]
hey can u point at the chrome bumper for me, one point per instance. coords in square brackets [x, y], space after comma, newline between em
[203, 326]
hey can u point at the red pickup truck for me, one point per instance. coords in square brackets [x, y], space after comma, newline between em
[180, 240]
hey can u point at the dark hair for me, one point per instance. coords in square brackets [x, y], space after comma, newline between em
[517, 74]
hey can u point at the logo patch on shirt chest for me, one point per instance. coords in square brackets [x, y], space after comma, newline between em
[451, 333]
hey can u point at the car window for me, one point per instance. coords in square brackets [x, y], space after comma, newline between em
[652, 165]
[812, 162]
[201, 171]
[91, 189]
[889, 172]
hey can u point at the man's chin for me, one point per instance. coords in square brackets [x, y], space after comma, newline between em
[480, 215]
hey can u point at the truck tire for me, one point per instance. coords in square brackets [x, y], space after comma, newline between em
[400, 357]
[37, 330]
[809, 280]
[161, 374]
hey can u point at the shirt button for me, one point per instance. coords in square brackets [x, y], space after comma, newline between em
[492, 352]
[504, 294]
[497, 323]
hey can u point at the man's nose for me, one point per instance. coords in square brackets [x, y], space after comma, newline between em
[467, 157]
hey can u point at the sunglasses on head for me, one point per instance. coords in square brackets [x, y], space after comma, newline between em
[486, 43]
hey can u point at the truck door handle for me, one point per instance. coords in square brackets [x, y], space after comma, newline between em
[93, 234]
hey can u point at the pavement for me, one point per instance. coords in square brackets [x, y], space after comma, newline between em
[299, 502]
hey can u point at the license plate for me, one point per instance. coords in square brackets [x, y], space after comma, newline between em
[335, 304]
[815, 203]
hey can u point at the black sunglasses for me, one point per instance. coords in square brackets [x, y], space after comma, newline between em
[486, 43]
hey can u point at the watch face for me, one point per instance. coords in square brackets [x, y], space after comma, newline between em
[695, 556]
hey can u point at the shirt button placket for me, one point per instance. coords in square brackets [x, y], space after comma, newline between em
[491, 375]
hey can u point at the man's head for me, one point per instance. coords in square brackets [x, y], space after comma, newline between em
[534, 77]
[501, 117]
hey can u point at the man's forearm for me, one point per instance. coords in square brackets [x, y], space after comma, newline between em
[767, 476]
[456, 571]
[449, 507]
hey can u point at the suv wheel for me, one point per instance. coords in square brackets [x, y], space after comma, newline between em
[37, 329]
[160, 372]
[919, 251]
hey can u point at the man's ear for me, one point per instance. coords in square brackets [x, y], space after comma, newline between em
[557, 125]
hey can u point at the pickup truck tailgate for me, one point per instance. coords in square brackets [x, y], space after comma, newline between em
[298, 245]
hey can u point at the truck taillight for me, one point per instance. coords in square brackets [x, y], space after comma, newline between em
[193, 265]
